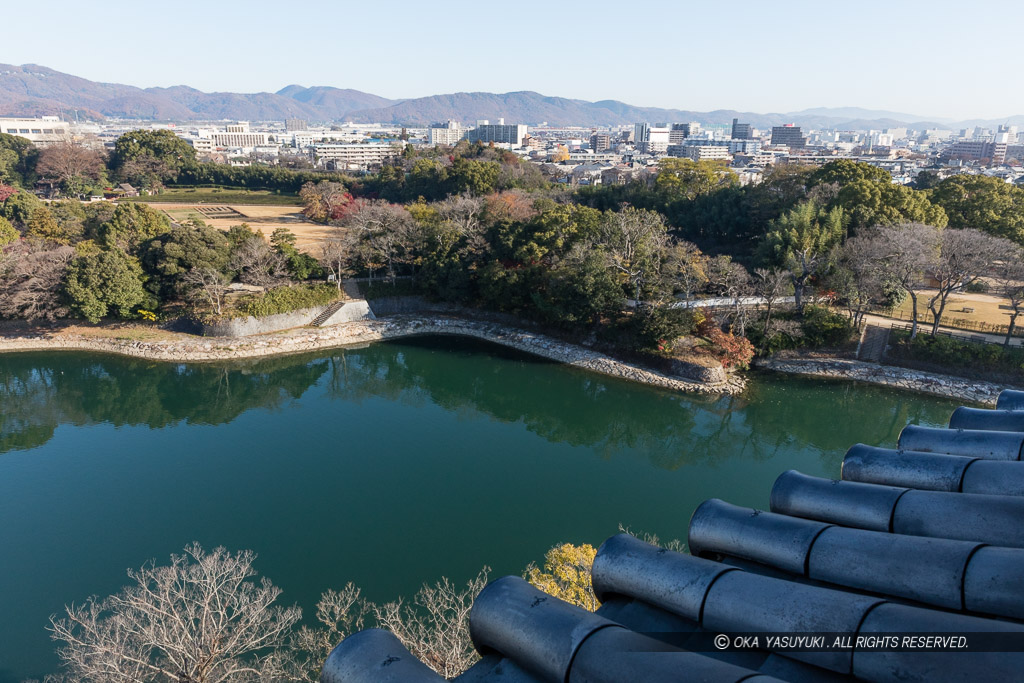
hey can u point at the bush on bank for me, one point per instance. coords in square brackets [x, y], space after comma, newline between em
[961, 357]
[287, 299]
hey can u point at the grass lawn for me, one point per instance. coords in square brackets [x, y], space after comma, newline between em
[216, 195]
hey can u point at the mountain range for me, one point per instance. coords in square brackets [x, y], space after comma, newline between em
[32, 90]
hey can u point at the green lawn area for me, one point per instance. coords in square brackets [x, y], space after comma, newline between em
[218, 195]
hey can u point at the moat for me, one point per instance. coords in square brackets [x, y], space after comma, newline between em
[387, 466]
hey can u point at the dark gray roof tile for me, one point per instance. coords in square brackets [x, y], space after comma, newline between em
[976, 443]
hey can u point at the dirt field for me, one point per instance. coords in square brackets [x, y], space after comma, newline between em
[262, 218]
[985, 308]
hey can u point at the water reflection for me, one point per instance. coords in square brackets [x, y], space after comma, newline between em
[39, 392]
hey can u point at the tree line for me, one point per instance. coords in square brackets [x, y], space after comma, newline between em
[477, 226]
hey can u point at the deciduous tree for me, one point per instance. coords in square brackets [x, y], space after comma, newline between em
[905, 254]
[75, 166]
[634, 239]
[964, 256]
[31, 274]
[201, 619]
[1008, 276]
[208, 285]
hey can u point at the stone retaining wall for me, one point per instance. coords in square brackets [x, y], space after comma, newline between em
[966, 390]
[361, 332]
[244, 327]
[350, 312]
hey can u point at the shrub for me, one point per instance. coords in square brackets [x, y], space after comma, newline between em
[824, 327]
[953, 354]
[285, 299]
[730, 350]
[978, 287]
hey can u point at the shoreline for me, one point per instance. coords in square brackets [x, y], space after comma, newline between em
[906, 379]
[301, 340]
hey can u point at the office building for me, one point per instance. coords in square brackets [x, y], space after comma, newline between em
[41, 131]
[788, 135]
[976, 150]
[741, 131]
[678, 132]
[292, 125]
[652, 139]
[238, 135]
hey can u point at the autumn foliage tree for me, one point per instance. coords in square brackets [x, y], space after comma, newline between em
[566, 574]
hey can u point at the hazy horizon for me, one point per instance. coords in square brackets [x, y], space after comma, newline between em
[785, 58]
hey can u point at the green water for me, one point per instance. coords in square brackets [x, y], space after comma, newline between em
[387, 466]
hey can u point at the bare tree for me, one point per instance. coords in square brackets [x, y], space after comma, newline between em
[905, 254]
[31, 275]
[964, 256]
[387, 229]
[685, 267]
[1009, 281]
[462, 218]
[770, 286]
[857, 278]
[462, 211]
[731, 279]
[340, 613]
[634, 239]
[336, 257]
[71, 164]
[209, 285]
[435, 627]
[202, 619]
[257, 263]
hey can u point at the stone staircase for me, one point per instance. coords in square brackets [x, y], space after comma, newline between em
[326, 314]
[873, 344]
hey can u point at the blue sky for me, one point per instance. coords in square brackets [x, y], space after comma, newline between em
[934, 57]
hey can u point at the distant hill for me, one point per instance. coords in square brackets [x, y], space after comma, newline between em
[31, 90]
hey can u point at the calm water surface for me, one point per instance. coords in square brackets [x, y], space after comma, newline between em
[387, 466]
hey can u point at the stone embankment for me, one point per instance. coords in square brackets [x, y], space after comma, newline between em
[968, 390]
[364, 331]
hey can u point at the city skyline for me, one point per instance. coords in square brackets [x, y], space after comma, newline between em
[795, 57]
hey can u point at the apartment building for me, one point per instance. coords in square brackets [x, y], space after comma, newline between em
[447, 133]
[499, 133]
[356, 156]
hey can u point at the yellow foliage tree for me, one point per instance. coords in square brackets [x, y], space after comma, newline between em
[566, 575]
[562, 154]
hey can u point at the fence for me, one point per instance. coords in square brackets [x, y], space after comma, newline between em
[926, 318]
[973, 338]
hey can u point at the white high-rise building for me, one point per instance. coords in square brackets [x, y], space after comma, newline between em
[507, 134]
[652, 139]
[446, 134]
